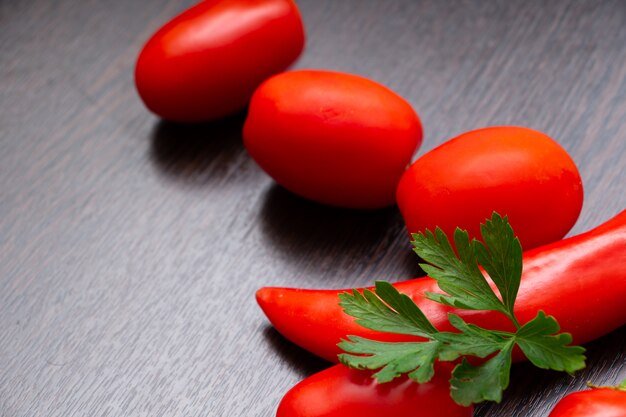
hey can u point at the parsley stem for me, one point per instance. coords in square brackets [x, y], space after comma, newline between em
[512, 317]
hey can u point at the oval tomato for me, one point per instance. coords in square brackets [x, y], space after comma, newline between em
[207, 61]
[596, 402]
[514, 171]
[332, 137]
[342, 392]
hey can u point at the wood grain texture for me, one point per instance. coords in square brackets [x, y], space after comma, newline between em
[130, 249]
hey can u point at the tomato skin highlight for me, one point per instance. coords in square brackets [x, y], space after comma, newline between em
[515, 171]
[332, 137]
[342, 392]
[206, 62]
[596, 402]
[579, 280]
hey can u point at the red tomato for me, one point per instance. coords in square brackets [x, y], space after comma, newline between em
[207, 62]
[332, 137]
[342, 392]
[515, 171]
[597, 402]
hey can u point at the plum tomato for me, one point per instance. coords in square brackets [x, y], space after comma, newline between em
[334, 138]
[595, 402]
[342, 392]
[206, 62]
[515, 171]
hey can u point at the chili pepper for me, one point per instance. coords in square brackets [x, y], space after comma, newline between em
[581, 281]
[596, 402]
[343, 392]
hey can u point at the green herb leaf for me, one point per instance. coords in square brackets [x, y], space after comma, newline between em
[394, 359]
[501, 257]
[472, 340]
[398, 313]
[460, 277]
[473, 384]
[548, 350]
[465, 287]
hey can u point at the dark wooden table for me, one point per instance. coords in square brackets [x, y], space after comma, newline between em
[130, 249]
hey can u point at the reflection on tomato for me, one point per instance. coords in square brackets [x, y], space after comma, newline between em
[514, 171]
[206, 62]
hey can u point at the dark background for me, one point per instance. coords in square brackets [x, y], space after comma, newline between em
[130, 249]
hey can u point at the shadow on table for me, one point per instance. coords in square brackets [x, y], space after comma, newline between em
[197, 153]
[302, 361]
[313, 232]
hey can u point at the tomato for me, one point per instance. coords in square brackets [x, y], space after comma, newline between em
[596, 402]
[206, 62]
[514, 171]
[342, 392]
[331, 137]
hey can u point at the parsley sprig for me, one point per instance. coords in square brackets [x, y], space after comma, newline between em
[459, 276]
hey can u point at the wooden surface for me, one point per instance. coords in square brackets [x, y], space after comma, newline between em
[130, 249]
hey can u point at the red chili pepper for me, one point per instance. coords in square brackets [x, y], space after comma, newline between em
[342, 392]
[581, 281]
[596, 402]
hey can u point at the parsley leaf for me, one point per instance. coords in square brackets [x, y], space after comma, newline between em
[546, 350]
[472, 384]
[398, 315]
[472, 340]
[465, 287]
[415, 358]
[501, 257]
[459, 276]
